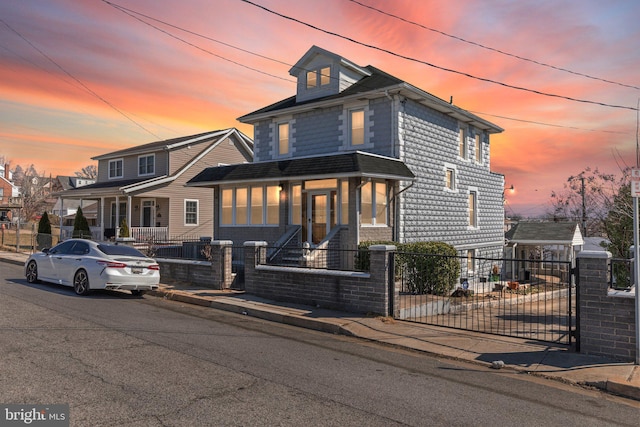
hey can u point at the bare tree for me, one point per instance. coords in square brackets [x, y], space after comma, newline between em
[90, 172]
[34, 189]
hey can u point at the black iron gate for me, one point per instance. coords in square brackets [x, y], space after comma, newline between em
[532, 299]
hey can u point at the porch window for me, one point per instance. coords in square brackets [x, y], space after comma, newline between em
[273, 204]
[296, 204]
[227, 206]
[122, 214]
[191, 212]
[255, 205]
[373, 203]
[115, 169]
[241, 206]
[146, 165]
[344, 202]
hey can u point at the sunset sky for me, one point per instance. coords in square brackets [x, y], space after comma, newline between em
[79, 78]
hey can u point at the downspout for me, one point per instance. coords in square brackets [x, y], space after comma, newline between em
[396, 209]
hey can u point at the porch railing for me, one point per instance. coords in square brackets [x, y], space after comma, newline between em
[149, 233]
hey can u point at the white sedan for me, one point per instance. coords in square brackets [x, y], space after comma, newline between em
[88, 265]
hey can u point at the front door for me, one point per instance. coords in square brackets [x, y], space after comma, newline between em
[148, 213]
[320, 215]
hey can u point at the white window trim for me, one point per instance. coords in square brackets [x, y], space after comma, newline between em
[374, 203]
[476, 213]
[275, 137]
[346, 127]
[121, 160]
[318, 73]
[465, 150]
[449, 166]
[154, 164]
[233, 207]
[478, 150]
[186, 224]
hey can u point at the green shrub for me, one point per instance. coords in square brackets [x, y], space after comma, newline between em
[430, 267]
[43, 238]
[124, 229]
[81, 226]
[363, 261]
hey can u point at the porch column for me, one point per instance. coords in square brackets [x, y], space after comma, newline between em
[101, 207]
[117, 218]
[129, 214]
[61, 200]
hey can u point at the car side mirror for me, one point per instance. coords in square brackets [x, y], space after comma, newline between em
[45, 251]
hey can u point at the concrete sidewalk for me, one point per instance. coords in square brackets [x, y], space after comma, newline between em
[532, 357]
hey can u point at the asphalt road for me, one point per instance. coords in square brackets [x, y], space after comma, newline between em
[123, 360]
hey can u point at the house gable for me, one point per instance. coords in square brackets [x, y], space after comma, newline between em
[321, 73]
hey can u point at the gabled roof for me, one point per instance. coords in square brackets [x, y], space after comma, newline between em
[376, 84]
[549, 233]
[126, 186]
[335, 166]
[301, 65]
[174, 143]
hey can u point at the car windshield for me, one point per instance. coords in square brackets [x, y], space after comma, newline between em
[120, 250]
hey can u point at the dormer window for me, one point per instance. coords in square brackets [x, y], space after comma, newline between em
[146, 165]
[318, 77]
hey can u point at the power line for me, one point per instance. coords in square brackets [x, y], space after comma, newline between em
[546, 124]
[132, 14]
[129, 12]
[462, 73]
[533, 61]
[78, 80]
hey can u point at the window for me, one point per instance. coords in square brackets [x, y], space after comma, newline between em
[344, 202]
[191, 212]
[115, 169]
[283, 139]
[296, 204]
[471, 261]
[321, 76]
[462, 140]
[146, 165]
[473, 209]
[1, 193]
[312, 79]
[373, 203]
[227, 206]
[356, 127]
[450, 179]
[122, 214]
[478, 149]
[256, 205]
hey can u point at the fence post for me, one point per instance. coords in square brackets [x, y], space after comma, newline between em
[379, 272]
[221, 262]
[254, 254]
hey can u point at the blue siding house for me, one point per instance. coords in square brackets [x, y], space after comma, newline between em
[355, 155]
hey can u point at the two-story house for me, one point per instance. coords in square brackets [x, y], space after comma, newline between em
[144, 185]
[357, 154]
[9, 194]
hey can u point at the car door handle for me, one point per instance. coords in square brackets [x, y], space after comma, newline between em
[78, 259]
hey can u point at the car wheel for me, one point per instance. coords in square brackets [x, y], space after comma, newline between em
[32, 272]
[81, 282]
[137, 292]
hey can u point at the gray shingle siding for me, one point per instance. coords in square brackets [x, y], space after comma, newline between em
[428, 211]
[318, 132]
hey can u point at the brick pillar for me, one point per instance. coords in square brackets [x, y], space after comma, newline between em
[221, 263]
[606, 323]
[379, 273]
[254, 253]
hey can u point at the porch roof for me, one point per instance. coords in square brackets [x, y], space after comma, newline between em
[334, 166]
[545, 233]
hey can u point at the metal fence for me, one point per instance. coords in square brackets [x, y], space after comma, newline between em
[531, 299]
